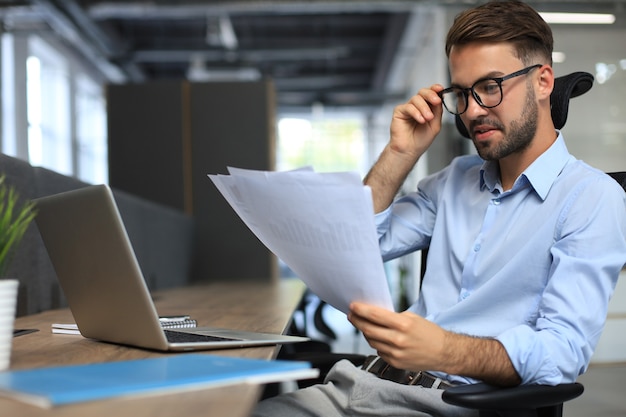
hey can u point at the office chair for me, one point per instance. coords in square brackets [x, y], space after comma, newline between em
[523, 400]
[620, 177]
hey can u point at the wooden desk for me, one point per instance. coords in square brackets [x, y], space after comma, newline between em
[247, 306]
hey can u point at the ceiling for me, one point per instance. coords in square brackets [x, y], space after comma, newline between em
[337, 53]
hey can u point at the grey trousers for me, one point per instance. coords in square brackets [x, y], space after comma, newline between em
[350, 391]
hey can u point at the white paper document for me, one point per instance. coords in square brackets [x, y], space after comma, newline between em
[320, 224]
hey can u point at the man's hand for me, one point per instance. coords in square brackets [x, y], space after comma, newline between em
[416, 123]
[414, 126]
[408, 341]
[404, 340]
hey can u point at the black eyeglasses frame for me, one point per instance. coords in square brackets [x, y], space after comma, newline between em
[467, 91]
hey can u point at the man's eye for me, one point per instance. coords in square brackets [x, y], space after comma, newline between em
[488, 87]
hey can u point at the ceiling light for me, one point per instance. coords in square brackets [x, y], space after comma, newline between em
[579, 18]
[220, 32]
[227, 33]
[558, 57]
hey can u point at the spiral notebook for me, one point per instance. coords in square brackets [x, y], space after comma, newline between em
[96, 266]
[166, 323]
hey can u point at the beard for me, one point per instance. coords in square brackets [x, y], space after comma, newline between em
[517, 137]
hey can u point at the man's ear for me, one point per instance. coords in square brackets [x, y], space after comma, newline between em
[545, 82]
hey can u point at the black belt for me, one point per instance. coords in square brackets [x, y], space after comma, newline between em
[382, 369]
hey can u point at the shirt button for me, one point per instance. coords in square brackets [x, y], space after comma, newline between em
[496, 201]
[477, 247]
[464, 294]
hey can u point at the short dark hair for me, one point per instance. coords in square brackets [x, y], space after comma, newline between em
[504, 21]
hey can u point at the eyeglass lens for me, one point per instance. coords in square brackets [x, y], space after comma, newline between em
[486, 92]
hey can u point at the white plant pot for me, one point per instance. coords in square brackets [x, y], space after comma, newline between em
[8, 302]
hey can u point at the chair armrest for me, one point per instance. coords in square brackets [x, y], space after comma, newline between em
[487, 397]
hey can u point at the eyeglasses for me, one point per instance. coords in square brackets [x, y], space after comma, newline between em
[487, 92]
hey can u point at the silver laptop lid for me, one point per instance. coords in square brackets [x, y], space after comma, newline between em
[97, 268]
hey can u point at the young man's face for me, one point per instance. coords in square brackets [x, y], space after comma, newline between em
[509, 127]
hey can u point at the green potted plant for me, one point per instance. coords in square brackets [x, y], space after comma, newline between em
[15, 217]
[14, 220]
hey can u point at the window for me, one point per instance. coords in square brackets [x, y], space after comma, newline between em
[47, 92]
[332, 143]
[91, 132]
[53, 110]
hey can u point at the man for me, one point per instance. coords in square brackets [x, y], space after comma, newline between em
[526, 242]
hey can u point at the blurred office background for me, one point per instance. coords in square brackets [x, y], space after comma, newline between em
[105, 90]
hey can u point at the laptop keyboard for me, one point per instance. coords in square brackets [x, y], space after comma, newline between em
[180, 337]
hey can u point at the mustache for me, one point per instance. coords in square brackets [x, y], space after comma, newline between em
[485, 122]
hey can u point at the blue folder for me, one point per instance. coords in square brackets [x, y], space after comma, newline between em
[47, 387]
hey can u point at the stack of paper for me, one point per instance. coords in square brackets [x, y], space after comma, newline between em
[320, 224]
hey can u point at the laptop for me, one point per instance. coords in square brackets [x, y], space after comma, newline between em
[98, 271]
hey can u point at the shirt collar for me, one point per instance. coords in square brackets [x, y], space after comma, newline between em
[541, 174]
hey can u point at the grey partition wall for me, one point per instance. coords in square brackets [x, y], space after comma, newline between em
[165, 137]
[162, 238]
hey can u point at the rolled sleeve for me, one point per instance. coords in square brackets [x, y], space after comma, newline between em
[382, 220]
[530, 358]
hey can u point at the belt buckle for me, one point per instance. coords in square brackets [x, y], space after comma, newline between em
[414, 378]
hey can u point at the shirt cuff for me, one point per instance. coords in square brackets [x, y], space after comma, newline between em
[382, 220]
[530, 358]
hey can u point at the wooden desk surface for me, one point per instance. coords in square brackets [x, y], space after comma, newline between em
[261, 307]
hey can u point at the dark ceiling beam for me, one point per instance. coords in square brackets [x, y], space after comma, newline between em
[177, 10]
[257, 55]
[320, 82]
[86, 25]
[67, 31]
[98, 41]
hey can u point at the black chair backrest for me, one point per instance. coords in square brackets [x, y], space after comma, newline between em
[620, 177]
[565, 88]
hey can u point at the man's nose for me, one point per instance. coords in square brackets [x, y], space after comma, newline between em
[474, 109]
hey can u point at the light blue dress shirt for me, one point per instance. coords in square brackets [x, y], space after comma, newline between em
[533, 267]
